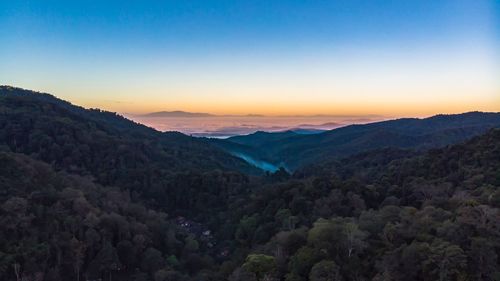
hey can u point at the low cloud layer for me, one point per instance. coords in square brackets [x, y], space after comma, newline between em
[226, 126]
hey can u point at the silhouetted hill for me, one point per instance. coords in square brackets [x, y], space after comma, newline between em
[294, 150]
[95, 141]
[260, 138]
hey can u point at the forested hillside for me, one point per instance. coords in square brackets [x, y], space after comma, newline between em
[295, 151]
[433, 216]
[100, 143]
[89, 195]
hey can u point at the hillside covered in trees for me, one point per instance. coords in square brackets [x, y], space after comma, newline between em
[90, 195]
[295, 151]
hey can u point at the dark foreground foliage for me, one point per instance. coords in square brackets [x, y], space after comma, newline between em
[85, 195]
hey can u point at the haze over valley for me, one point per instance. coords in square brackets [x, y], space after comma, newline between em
[223, 126]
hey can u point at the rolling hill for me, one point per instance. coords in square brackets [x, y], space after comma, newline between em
[92, 141]
[292, 150]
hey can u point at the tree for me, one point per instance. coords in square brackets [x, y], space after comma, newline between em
[301, 262]
[126, 253]
[106, 261]
[246, 229]
[15, 205]
[483, 258]
[259, 264]
[78, 254]
[152, 260]
[354, 241]
[241, 274]
[445, 261]
[161, 275]
[325, 271]
[405, 262]
[291, 241]
[191, 245]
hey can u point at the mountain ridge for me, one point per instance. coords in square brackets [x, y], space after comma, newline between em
[295, 150]
[51, 116]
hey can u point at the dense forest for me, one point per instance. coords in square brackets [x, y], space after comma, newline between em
[89, 195]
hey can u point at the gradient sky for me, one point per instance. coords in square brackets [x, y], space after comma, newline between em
[397, 58]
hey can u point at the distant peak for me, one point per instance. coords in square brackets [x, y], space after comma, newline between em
[176, 113]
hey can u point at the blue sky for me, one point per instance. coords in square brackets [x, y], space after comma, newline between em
[256, 56]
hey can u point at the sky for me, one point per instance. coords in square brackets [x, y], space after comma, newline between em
[391, 58]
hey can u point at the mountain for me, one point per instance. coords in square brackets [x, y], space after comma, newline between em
[176, 114]
[294, 150]
[94, 141]
[260, 138]
[89, 195]
[390, 214]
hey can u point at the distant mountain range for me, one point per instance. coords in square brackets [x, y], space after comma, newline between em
[181, 113]
[176, 113]
[292, 150]
[224, 126]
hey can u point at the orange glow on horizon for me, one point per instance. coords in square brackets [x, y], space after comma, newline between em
[395, 108]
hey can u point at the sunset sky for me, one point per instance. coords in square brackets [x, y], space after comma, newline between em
[394, 58]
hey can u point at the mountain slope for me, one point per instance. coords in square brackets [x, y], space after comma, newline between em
[96, 142]
[294, 151]
[383, 215]
[248, 147]
[57, 226]
[260, 138]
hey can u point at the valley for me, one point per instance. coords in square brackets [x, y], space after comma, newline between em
[293, 151]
